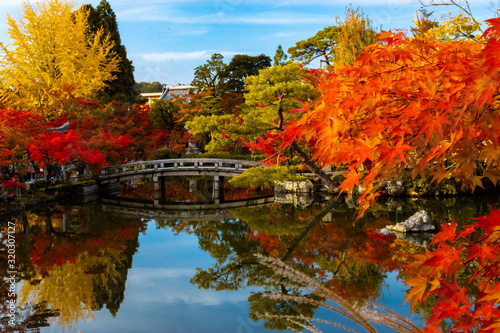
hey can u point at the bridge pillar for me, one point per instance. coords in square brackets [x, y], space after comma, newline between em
[193, 185]
[218, 192]
[159, 186]
[162, 187]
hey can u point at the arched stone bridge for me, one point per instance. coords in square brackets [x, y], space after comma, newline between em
[181, 167]
[176, 167]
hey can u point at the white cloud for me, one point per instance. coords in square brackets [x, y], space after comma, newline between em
[168, 286]
[192, 32]
[285, 34]
[142, 275]
[261, 12]
[174, 56]
[160, 13]
[185, 294]
[182, 56]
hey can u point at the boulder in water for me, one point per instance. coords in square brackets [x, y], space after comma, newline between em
[418, 222]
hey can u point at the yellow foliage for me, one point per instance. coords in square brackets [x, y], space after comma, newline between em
[403, 250]
[50, 59]
[355, 33]
[70, 288]
[460, 27]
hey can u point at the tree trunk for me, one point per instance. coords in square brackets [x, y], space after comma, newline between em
[313, 167]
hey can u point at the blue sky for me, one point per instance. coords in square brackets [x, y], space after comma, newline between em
[167, 39]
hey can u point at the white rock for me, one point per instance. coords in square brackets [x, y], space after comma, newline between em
[418, 222]
[304, 186]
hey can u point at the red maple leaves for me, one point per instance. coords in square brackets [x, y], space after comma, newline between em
[408, 103]
[464, 272]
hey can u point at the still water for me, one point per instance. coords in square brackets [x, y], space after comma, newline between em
[111, 266]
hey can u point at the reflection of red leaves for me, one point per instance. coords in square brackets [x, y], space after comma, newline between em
[379, 237]
[55, 250]
[271, 243]
[125, 233]
[235, 193]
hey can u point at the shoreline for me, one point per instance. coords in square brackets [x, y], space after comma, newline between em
[41, 197]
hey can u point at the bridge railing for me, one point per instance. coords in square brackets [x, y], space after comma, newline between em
[179, 164]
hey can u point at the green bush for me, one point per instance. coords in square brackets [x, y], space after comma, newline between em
[337, 179]
[229, 156]
[163, 154]
[264, 177]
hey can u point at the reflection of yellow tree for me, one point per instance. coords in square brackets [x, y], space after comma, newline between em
[70, 288]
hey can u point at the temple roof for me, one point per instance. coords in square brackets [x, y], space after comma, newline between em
[179, 90]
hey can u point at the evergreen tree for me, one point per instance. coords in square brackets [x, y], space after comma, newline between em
[211, 75]
[241, 67]
[320, 46]
[280, 57]
[148, 87]
[122, 87]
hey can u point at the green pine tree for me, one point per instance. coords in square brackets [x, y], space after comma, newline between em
[122, 87]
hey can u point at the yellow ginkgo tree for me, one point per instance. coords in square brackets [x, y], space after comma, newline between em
[51, 58]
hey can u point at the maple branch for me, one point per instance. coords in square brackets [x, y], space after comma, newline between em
[313, 167]
[485, 237]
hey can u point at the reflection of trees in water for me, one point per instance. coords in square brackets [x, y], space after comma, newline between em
[177, 189]
[322, 241]
[227, 242]
[460, 208]
[72, 262]
[31, 319]
[188, 189]
[308, 290]
[319, 241]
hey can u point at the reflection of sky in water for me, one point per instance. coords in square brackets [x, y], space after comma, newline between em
[160, 298]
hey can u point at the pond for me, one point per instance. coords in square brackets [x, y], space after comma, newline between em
[108, 267]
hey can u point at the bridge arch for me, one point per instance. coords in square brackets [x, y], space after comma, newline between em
[181, 167]
[176, 167]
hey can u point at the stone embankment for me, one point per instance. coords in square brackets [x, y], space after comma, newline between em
[38, 198]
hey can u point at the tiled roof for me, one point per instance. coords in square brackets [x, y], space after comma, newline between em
[179, 90]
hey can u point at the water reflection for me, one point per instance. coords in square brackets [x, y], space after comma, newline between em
[74, 261]
[189, 190]
[319, 241]
[308, 290]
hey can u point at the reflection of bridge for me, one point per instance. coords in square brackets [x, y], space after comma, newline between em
[180, 211]
[182, 167]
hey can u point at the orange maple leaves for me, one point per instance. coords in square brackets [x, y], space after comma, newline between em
[418, 103]
[463, 271]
